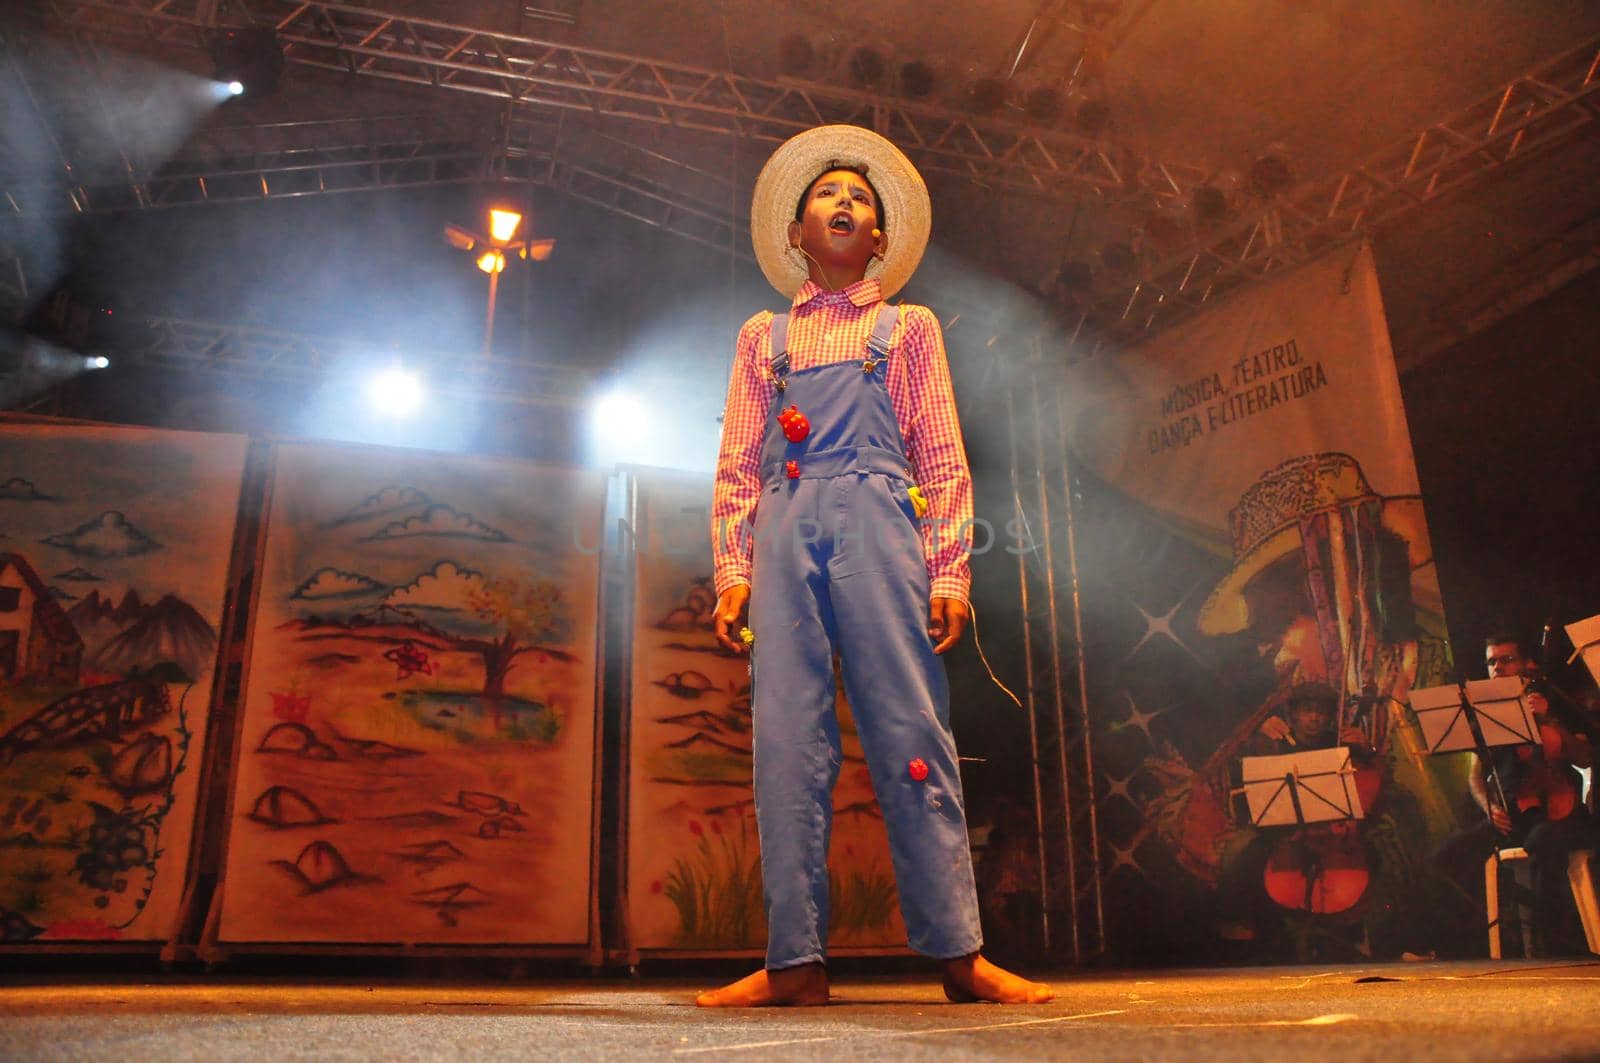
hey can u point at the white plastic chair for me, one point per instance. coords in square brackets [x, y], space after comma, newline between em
[1583, 895]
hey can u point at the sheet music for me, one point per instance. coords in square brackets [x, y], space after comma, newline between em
[1324, 784]
[1585, 636]
[1503, 714]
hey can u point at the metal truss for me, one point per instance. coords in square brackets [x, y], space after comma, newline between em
[1490, 298]
[267, 354]
[1066, 794]
[1532, 114]
[610, 85]
[608, 95]
[13, 281]
[281, 160]
[630, 178]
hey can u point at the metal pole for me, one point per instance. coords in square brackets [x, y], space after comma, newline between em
[1027, 666]
[1083, 678]
[488, 331]
[1055, 668]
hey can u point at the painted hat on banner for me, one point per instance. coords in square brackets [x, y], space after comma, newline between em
[1266, 526]
[907, 211]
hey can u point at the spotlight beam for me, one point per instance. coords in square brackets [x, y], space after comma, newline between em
[270, 354]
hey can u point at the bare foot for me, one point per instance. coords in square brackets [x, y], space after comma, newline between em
[973, 978]
[802, 986]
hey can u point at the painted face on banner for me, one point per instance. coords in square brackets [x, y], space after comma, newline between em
[1283, 623]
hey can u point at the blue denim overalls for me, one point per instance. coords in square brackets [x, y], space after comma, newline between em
[839, 567]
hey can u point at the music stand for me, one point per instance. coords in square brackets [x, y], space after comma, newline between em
[1306, 786]
[1493, 712]
[1585, 636]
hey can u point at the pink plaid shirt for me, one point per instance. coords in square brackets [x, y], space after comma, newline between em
[827, 327]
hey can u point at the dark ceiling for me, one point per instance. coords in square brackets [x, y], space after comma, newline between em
[101, 110]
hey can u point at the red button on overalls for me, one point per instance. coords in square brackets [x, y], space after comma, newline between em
[794, 424]
[792, 468]
[918, 769]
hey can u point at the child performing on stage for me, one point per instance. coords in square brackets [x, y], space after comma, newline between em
[839, 437]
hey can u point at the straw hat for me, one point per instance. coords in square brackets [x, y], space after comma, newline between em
[801, 160]
[1266, 526]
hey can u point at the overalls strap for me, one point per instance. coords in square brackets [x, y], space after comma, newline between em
[877, 343]
[779, 366]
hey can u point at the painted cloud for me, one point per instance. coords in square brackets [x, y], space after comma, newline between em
[109, 535]
[328, 583]
[80, 574]
[17, 489]
[446, 587]
[392, 498]
[441, 522]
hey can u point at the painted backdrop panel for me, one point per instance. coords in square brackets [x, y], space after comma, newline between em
[1253, 535]
[694, 870]
[114, 548]
[417, 745]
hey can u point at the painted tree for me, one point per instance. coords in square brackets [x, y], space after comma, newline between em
[525, 616]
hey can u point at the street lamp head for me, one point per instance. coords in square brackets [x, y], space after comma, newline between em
[492, 262]
[503, 224]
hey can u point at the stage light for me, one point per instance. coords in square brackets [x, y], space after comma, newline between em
[987, 95]
[917, 80]
[1271, 175]
[249, 57]
[1164, 222]
[1043, 104]
[96, 361]
[617, 429]
[868, 68]
[1217, 198]
[1119, 257]
[395, 392]
[1074, 276]
[618, 415]
[503, 224]
[1210, 204]
[1093, 116]
[795, 56]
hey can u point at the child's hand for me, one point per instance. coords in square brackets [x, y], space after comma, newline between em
[947, 619]
[729, 608]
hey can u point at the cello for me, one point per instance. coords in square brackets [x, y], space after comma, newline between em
[1323, 868]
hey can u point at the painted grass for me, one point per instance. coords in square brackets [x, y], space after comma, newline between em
[717, 892]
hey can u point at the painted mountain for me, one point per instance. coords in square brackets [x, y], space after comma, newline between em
[99, 619]
[133, 635]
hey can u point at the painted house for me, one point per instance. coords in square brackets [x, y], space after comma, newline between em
[37, 638]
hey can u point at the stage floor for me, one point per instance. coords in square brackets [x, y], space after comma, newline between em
[1523, 1010]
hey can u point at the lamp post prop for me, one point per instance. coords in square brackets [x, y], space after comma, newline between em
[500, 242]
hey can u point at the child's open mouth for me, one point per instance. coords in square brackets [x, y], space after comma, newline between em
[843, 224]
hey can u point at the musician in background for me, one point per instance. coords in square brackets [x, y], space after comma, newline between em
[1307, 722]
[1542, 810]
[1306, 719]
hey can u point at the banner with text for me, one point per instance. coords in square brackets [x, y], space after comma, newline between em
[1260, 581]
